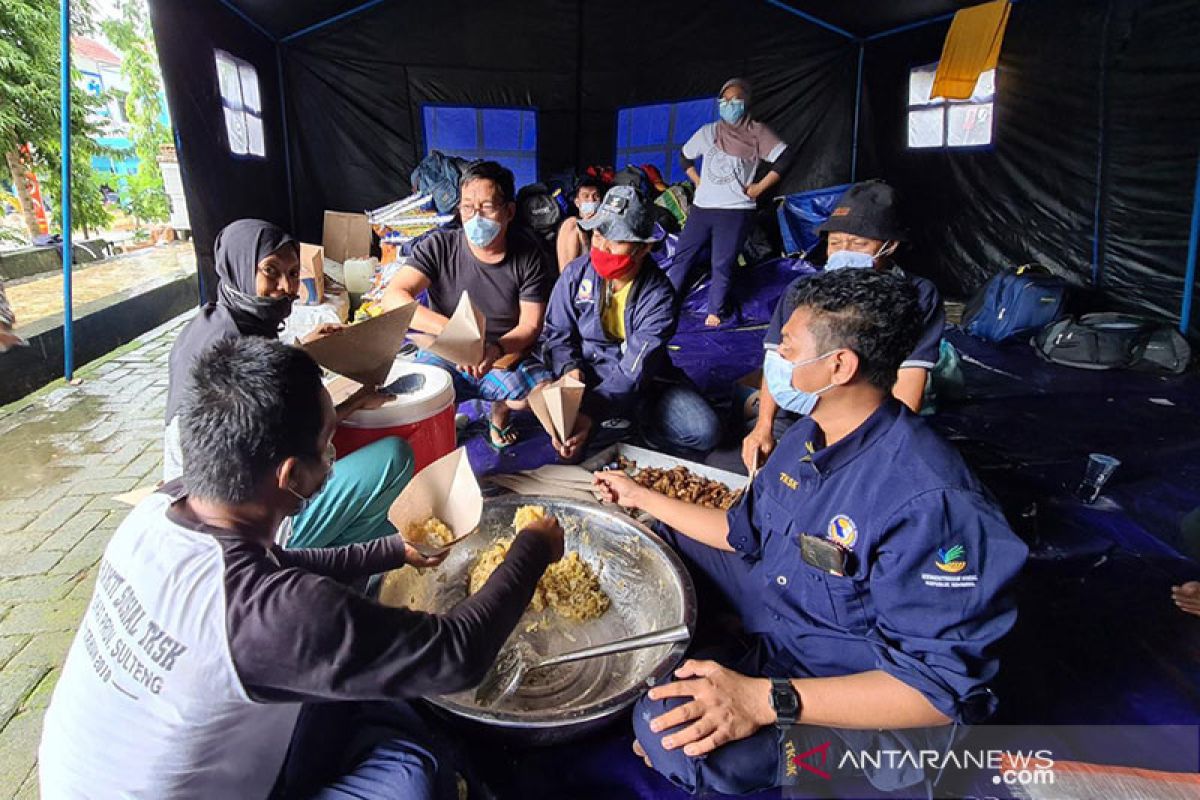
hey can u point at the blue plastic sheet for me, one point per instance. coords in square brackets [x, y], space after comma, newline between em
[800, 214]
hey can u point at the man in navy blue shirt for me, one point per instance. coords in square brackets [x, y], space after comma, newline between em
[863, 231]
[610, 317]
[868, 566]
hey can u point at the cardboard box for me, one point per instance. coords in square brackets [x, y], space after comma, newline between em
[312, 274]
[346, 235]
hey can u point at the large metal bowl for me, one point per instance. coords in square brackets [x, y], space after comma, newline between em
[649, 589]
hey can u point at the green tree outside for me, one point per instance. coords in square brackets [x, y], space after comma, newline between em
[131, 34]
[30, 110]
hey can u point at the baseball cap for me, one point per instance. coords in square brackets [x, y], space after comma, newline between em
[623, 217]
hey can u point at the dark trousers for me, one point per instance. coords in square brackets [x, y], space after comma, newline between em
[757, 762]
[367, 751]
[721, 232]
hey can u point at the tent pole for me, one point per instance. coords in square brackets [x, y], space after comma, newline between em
[65, 191]
[331, 20]
[1189, 276]
[1102, 123]
[246, 18]
[287, 142]
[814, 20]
[858, 81]
[918, 24]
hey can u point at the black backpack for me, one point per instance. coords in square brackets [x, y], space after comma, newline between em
[538, 210]
[635, 176]
[1114, 341]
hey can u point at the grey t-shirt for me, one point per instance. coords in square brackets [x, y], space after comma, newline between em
[496, 290]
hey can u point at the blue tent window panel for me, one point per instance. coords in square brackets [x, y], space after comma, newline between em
[506, 135]
[655, 134]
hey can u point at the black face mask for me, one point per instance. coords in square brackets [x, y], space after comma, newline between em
[253, 311]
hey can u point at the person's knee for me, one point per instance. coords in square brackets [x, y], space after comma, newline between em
[687, 421]
[673, 765]
[395, 458]
[740, 767]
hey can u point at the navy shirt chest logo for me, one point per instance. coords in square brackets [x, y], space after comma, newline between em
[585, 293]
[843, 531]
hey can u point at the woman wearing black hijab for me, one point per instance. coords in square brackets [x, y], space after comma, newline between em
[258, 267]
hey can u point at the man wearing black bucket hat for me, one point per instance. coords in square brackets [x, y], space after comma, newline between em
[863, 231]
[610, 317]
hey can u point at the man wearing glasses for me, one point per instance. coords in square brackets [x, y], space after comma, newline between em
[507, 277]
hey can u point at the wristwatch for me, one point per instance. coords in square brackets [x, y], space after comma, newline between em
[786, 702]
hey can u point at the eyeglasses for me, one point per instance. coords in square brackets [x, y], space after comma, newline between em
[489, 210]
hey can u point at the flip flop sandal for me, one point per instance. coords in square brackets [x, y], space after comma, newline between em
[502, 432]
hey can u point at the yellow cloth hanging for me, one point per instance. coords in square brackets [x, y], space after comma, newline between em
[972, 47]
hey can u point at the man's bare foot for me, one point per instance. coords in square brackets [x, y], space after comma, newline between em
[640, 753]
[712, 321]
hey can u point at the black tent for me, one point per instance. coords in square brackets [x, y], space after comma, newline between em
[1092, 167]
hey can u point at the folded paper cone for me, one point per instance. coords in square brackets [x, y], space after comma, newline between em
[461, 341]
[556, 405]
[446, 489]
[364, 352]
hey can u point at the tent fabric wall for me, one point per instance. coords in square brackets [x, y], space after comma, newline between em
[355, 91]
[1097, 118]
[220, 186]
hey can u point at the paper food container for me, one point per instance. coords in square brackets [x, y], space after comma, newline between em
[461, 341]
[556, 405]
[346, 235]
[446, 489]
[312, 274]
[364, 352]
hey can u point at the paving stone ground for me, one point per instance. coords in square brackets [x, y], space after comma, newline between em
[63, 455]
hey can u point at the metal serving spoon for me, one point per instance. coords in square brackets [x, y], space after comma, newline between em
[519, 658]
[433, 551]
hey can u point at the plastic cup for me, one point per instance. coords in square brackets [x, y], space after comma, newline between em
[1100, 468]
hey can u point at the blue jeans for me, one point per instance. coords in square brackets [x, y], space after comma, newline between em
[353, 506]
[720, 231]
[680, 421]
[367, 751]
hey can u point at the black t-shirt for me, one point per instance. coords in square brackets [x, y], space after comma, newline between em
[496, 290]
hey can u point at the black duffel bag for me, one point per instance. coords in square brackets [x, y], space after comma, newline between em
[1114, 341]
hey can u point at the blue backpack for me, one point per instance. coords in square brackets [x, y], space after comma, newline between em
[1014, 303]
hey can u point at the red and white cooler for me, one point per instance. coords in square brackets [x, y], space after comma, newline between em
[424, 418]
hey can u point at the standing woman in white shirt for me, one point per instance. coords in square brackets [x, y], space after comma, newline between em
[731, 151]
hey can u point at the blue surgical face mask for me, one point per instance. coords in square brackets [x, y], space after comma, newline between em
[849, 259]
[588, 208]
[481, 231]
[732, 111]
[778, 372]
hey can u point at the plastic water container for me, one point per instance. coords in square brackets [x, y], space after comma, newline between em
[424, 418]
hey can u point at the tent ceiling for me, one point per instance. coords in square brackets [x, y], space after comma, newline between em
[281, 18]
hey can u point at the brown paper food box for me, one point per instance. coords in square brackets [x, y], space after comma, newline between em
[312, 268]
[346, 235]
[556, 405]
